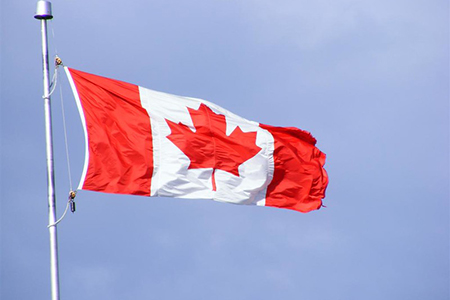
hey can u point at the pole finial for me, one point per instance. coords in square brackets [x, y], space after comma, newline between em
[44, 10]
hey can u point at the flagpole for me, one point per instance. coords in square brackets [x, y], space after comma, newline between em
[44, 13]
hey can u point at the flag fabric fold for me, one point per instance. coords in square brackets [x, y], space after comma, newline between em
[143, 142]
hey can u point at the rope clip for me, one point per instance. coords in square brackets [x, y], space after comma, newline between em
[58, 61]
[72, 195]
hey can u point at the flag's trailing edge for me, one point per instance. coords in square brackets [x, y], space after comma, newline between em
[143, 142]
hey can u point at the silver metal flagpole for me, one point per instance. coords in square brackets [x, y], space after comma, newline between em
[44, 13]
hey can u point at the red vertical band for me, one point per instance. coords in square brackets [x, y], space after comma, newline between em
[119, 135]
[299, 180]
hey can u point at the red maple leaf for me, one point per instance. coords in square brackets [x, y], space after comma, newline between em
[209, 146]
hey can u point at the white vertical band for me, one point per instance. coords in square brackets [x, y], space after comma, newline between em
[83, 122]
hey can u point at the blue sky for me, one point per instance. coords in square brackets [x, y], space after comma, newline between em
[369, 79]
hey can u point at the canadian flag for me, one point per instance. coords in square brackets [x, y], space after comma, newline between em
[144, 142]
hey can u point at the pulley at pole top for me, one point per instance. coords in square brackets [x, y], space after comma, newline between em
[44, 10]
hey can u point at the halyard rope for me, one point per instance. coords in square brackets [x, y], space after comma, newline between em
[72, 194]
[70, 203]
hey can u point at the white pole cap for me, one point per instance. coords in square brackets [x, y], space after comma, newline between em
[43, 10]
